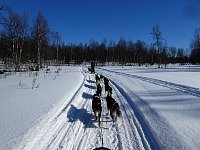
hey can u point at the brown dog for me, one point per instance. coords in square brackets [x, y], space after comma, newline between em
[113, 107]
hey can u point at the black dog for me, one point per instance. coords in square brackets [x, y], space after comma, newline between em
[99, 89]
[109, 90]
[106, 84]
[96, 107]
[97, 77]
[101, 77]
[113, 107]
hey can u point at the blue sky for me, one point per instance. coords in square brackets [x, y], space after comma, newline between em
[81, 20]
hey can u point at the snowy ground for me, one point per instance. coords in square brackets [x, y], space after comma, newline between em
[160, 109]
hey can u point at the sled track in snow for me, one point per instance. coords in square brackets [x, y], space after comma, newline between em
[136, 120]
[182, 88]
[59, 133]
[154, 139]
[58, 140]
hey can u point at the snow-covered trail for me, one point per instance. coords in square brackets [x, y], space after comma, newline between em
[73, 126]
[160, 107]
[151, 114]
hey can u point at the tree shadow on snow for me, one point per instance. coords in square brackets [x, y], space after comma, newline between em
[82, 115]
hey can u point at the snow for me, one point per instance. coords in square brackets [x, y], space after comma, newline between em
[22, 106]
[160, 109]
[185, 75]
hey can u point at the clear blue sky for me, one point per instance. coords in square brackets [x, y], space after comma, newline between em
[82, 20]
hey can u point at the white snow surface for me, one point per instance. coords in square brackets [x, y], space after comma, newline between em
[160, 109]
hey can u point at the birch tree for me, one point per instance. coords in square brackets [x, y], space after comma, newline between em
[15, 28]
[56, 41]
[157, 37]
[40, 34]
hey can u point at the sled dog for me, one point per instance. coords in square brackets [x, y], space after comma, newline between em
[96, 107]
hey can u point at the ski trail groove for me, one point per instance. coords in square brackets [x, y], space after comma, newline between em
[153, 122]
[132, 123]
[61, 133]
[121, 132]
[139, 122]
[137, 119]
[81, 135]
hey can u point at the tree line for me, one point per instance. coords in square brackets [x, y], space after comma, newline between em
[35, 45]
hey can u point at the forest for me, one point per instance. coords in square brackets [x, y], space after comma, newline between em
[34, 45]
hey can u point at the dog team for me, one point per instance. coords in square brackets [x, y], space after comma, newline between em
[112, 105]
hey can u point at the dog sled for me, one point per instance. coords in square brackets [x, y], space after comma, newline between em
[102, 148]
